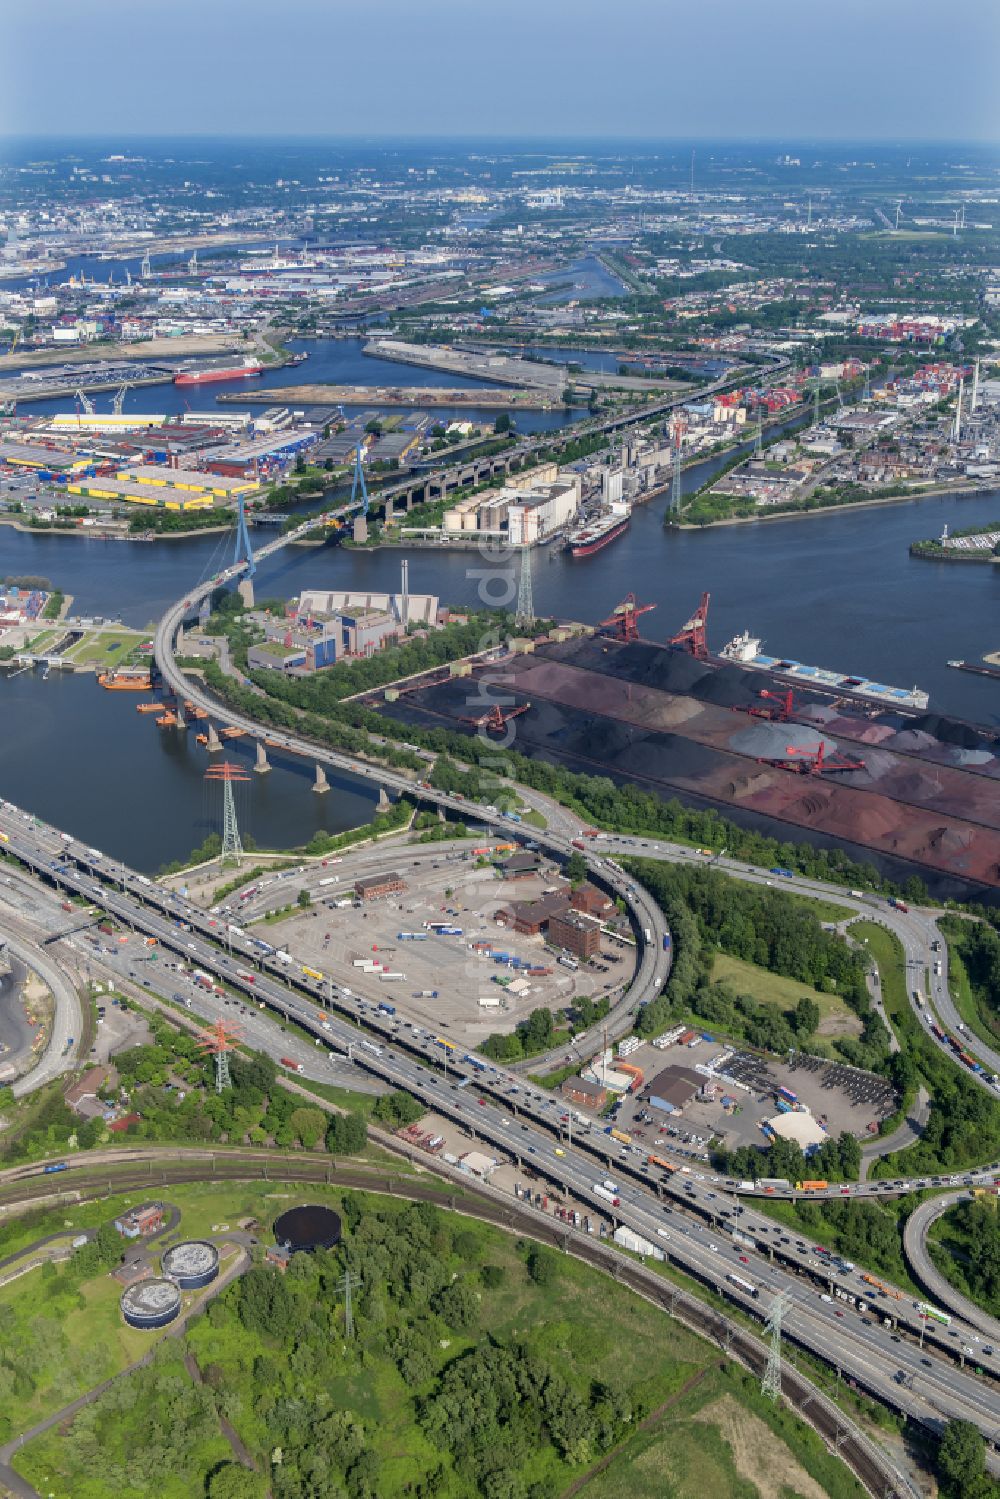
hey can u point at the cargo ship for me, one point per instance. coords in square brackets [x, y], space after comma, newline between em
[745, 650]
[599, 533]
[204, 374]
[978, 668]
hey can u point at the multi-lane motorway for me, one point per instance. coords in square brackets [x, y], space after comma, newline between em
[688, 1214]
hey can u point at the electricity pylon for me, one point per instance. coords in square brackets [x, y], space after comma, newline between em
[219, 1042]
[347, 1284]
[232, 848]
[771, 1383]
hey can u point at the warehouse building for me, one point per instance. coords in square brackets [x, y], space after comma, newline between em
[530, 917]
[581, 1090]
[673, 1089]
[125, 491]
[378, 886]
[520, 866]
[161, 474]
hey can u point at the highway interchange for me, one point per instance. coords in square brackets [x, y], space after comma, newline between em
[915, 1365]
[685, 1213]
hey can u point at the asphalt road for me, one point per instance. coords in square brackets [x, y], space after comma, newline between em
[937, 1286]
[525, 1126]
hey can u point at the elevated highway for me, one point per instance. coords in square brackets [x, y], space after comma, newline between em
[871, 1333]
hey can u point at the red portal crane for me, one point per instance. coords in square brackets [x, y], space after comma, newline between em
[623, 618]
[692, 635]
[497, 718]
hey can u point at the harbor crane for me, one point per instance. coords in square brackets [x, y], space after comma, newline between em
[84, 402]
[497, 718]
[622, 621]
[692, 634]
[116, 404]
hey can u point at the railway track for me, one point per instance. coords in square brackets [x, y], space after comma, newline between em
[873, 1468]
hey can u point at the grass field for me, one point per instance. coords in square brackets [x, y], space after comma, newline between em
[708, 1431]
[712, 1441]
[102, 648]
[771, 989]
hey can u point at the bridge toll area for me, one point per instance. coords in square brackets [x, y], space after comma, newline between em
[466, 945]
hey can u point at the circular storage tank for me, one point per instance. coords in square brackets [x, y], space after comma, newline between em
[307, 1228]
[150, 1303]
[192, 1264]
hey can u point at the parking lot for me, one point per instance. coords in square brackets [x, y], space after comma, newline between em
[840, 1098]
[443, 981]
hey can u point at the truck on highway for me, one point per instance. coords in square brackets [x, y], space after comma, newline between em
[899, 905]
[607, 1194]
[291, 1065]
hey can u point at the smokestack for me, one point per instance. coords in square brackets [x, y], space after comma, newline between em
[975, 387]
[404, 590]
[958, 411]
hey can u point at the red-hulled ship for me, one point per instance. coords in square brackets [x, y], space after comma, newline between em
[203, 374]
[599, 533]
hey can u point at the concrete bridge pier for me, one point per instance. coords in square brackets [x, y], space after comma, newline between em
[214, 742]
[383, 801]
[245, 590]
[320, 784]
[360, 529]
[389, 513]
[263, 764]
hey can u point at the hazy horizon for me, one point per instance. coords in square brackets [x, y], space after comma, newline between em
[650, 70]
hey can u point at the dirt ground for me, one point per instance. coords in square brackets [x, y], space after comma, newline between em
[758, 1458]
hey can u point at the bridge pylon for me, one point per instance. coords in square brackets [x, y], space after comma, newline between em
[244, 553]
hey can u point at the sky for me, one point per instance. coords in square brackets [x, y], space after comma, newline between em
[719, 69]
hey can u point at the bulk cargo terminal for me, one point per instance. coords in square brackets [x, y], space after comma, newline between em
[828, 762]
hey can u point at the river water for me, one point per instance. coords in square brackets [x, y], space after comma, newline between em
[334, 361]
[837, 590]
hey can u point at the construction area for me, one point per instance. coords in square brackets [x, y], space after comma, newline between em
[462, 948]
[906, 790]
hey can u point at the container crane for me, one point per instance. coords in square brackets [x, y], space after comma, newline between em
[623, 618]
[497, 718]
[692, 634]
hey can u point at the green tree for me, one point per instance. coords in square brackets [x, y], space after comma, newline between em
[576, 868]
[502, 423]
[806, 1017]
[308, 1125]
[398, 1108]
[233, 1481]
[304, 899]
[346, 1134]
[961, 1459]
